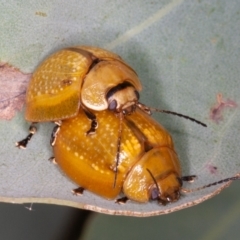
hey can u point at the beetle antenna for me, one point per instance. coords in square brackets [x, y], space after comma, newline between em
[118, 148]
[158, 189]
[148, 110]
[154, 180]
[211, 184]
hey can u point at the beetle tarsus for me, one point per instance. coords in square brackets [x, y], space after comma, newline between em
[94, 126]
[23, 143]
[78, 191]
[162, 202]
[122, 200]
[189, 178]
[52, 160]
[93, 119]
[54, 133]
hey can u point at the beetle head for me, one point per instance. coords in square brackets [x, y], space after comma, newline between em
[122, 98]
[172, 195]
[165, 190]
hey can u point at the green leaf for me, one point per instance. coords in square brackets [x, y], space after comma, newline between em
[186, 54]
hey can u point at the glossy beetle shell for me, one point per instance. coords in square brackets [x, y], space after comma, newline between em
[71, 77]
[89, 160]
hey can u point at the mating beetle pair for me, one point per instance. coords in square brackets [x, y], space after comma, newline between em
[80, 88]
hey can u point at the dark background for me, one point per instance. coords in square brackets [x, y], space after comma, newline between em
[217, 218]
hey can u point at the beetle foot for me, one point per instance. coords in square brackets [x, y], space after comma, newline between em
[54, 133]
[23, 143]
[162, 202]
[52, 160]
[122, 200]
[189, 178]
[92, 130]
[94, 124]
[78, 191]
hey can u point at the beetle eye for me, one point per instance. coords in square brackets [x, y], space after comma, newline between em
[112, 105]
[137, 94]
[154, 194]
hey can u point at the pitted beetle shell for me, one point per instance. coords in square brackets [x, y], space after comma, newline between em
[65, 78]
[89, 160]
[135, 189]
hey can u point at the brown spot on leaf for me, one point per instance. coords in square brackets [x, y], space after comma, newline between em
[13, 85]
[216, 112]
[211, 168]
[41, 14]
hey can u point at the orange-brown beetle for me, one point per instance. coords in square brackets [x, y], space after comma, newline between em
[148, 169]
[145, 146]
[81, 76]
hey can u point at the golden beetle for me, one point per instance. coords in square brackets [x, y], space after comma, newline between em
[90, 161]
[148, 169]
[80, 76]
[86, 77]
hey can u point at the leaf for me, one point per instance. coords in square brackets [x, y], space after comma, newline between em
[185, 52]
[216, 112]
[13, 86]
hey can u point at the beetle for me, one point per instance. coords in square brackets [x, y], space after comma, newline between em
[145, 144]
[76, 77]
[85, 77]
[148, 169]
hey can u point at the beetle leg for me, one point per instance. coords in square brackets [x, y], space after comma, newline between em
[93, 119]
[55, 132]
[122, 200]
[144, 108]
[189, 178]
[162, 202]
[78, 191]
[52, 160]
[23, 143]
[118, 148]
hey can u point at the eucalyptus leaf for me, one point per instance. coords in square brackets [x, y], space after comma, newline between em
[185, 52]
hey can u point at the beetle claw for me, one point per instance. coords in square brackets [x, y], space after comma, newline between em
[52, 160]
[78, 191]
[93, 119]
[55, 132]
[162, 202]
[93, 128]
[122, 200]
[190, 178]
[23, 143]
